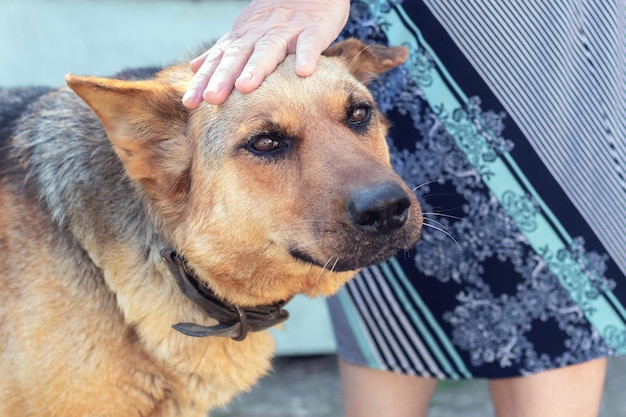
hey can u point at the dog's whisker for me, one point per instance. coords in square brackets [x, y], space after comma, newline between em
[440, 215]
[433, 221]
[431, 195]
[422, 185]
[357, 55]
[354, 87]
[442, 230]
[264, 248]
[312, 221]
[319, 276]
[365, 81]
[327, 262]
[304, 245]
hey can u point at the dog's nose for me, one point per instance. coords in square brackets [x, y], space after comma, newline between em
[379, 208]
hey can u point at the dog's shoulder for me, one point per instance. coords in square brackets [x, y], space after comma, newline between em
[52, 145]
[35, 119]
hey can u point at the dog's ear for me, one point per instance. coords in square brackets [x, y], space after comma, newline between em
[365, 62]
[146, 123]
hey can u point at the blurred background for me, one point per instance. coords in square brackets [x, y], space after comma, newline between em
[42, 40]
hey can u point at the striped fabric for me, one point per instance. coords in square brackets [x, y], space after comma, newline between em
[408, 340]
[558, 72]
[559, 69]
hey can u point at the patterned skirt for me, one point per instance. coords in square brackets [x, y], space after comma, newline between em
[509, 119]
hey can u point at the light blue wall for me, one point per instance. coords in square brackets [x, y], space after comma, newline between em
[42, 40]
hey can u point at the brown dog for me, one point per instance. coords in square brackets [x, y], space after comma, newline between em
[129, 214]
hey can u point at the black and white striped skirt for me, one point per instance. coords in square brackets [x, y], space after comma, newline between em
[510, 120]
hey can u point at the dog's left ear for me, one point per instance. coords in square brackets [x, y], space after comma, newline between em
[146, 123]
[365, 62]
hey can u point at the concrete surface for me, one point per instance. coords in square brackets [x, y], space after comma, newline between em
[309, 387]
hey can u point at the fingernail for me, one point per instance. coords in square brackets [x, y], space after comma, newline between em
[190, 96]
[303, 67]
[246, 76]
[213, 88]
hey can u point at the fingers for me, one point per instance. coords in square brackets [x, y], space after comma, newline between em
[222, 70]
[262, 36]
[308, 51]
[243, 64]
[204, 67]
[197, 62]
[268, 52]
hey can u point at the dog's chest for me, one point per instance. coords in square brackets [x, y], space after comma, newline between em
[208, 372]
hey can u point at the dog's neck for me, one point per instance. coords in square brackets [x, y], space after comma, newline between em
[233, 321]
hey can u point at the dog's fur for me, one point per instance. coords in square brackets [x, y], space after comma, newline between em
[258, 195]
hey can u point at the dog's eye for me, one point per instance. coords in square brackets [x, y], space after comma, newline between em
[268, 145]
[263, 143]
[360, 114]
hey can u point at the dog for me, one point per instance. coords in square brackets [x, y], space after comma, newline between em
[146, 248]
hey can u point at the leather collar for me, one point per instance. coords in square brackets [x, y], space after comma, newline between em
[233, 321]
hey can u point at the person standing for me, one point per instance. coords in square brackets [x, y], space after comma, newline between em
[509, 119]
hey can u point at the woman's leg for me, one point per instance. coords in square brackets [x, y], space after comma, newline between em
[572, 391]
[374, 393]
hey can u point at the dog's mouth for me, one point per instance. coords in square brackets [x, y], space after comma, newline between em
[343, 264]
[336, 265]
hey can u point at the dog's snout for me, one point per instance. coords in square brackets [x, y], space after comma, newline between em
[379, 208]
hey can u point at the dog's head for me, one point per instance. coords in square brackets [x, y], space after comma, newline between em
[285, 190]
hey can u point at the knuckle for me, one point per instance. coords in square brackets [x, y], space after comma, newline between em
[204, 70]
[197, 80]
[237, 49]
[275, 40]
[221, 74]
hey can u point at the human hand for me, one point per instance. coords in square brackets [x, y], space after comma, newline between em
[263, 34]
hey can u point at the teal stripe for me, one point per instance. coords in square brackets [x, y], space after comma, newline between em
[541, 235]
[432, 322]
[358, 330]
[544, 207]
[612, 298]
